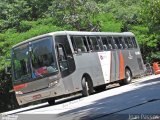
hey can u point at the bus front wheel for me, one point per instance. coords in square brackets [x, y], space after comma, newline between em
[87, 87]
[128, 77]
[51, 101]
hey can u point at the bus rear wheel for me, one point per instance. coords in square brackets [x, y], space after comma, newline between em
[87, 87]
[51, 101]
[128, 77]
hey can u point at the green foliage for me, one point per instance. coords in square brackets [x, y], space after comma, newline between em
[32, 29]
[76, 13]
[147, 42]
[155, 57]
[108, 23]
[150, 13]
[124, 10]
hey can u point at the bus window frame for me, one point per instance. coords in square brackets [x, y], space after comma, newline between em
[104, 38]
[126, 42]
[134, 41]
[84, 38]
[131, 43]
[112, 43]
[120, 38]
[74, 45]
[116, 38]
[90, 45]
[94, 50]
[99, 39]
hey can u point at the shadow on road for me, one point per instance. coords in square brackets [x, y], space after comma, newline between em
[111, 106]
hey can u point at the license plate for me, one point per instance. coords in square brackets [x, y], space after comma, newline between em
[37, 96]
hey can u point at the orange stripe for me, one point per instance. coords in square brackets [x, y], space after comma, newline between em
[18, 87]
[121, 66]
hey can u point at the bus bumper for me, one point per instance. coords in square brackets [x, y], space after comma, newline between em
[54, 91]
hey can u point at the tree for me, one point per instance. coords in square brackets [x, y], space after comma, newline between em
[150, 14]
[12, 12]
[77, 13]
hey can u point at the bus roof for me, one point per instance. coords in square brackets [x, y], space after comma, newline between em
[76, 33]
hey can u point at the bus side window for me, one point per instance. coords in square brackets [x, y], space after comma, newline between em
[89, 44]
[116, 42]
[134, 42]
[130, 42]
[105, 43]
[121, 42]
[85, 43]
[79, 44]
[110, 43]
[126, 43]
[96, 46]
[64, 41]
[73, 44]
[99, 40]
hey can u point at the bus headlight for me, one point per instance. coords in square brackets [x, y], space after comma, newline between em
[18, 92]
[53, 83]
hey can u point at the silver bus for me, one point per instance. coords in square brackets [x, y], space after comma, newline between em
[61, 63]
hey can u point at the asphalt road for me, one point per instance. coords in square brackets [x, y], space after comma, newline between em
[139, 100]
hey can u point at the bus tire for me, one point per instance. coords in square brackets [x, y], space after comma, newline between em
[51, 101]
[87, 87]
[128, 77]
[100, 88]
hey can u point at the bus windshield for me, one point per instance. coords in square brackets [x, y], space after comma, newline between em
[21, 63]
[35, 60]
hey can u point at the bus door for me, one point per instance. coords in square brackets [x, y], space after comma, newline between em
[64, 61]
